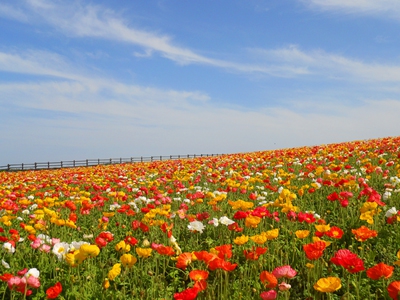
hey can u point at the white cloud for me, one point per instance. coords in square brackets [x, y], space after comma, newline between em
[37, 63]
[82, 21]
[331, 66]
[10, 12]
[78, 122]
[373, 7]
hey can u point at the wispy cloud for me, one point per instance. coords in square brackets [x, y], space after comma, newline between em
[35, 62]
[93, 21]
[329, 65]
[177, 122]
[389, 8]
[10, 12]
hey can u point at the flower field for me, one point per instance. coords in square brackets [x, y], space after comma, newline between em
[317, 222]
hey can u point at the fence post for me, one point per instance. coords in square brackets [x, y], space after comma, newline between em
[141, 159]
[8, 167]
[74, 163]
[160, 157]
[61, 163]
[87, 163]
[151, 158]
[35, 166]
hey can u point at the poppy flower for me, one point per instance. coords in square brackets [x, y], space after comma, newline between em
[218, 263]
[53, 291]
[254, 254]
[90, 250]
[241, 240]
[284, 271]
[268, 279]
[328, 284]
[143, 252]
[364, 233]
[184, 259]
[301, 234]
[197, 275]
[394, 289]
[122, 247]
[335, 232]
[252, 221]
[314, 250]
[379, 271]
[188, 294]
[114, 272]
[269, 295]
[128, 260]
[224, 251]
[348, 260]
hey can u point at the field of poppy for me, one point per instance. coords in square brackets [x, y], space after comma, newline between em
[317, 222]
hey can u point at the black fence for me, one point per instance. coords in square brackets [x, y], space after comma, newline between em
[96, 162]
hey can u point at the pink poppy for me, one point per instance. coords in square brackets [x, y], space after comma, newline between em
[269, 295]
[284, 271]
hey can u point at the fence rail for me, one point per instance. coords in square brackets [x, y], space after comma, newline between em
[96, 162]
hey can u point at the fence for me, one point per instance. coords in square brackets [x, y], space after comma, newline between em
[96, 162]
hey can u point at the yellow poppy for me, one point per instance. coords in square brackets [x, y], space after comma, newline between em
[328, 284]
[241, 240]
[301, 234]
[144, 252]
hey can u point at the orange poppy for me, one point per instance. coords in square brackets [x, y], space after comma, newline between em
[184, 260]
[380, 270]
[254, 254]
[364, 233]
[197, 275]
[268, 279]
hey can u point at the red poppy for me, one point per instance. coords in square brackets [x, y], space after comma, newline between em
[165, 250]
[335, 232]
[73, 217]
[394, 290]
[201, 285]
[188, 294]
[224, 251]
[235, 227]
[53, 291]
[305, 217]
[380, 270]
[6, 276]
[218, 263]
[205, 256]
[100, 242]
[314, 250]
[240, 215]
[202, 216]
[348, 260]
[131, 240]
[167, 228]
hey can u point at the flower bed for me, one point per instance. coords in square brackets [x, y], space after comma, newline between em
[304, 223]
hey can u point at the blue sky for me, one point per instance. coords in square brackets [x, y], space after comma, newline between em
[106, 79]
